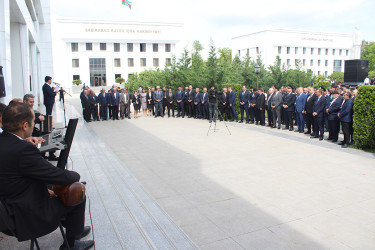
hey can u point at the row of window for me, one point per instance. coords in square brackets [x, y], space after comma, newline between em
[116, 47]
[77, 77]
[336, 63]
[117, 62]
[313, 50]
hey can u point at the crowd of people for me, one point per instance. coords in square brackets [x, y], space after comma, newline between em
[313, 110]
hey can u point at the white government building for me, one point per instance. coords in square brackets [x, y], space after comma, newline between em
[99, 51]
[321, 52]
[25, 47]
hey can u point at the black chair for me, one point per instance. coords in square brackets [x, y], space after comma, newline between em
[8, 227]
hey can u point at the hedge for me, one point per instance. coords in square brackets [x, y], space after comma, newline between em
[364, 117]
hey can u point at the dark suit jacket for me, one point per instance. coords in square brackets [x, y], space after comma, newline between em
[224, 99]
[93, 100]
[244, 97]
[197, 97]
[103, 100]
[24, 175]
[232, 98]
[48, 94]
[261, 102]
[180, 96]
[319, 105]
[253, 98]
[309, 106]
[290, 101]
[150, 98]
[190, 95]
[346, 112]
[170, 98]
[334, 109]
[85, 102]
[114, 101]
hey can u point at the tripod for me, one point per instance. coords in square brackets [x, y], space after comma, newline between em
[218, 112]
[63, 99]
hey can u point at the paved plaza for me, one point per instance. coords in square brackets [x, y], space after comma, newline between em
[164, 184]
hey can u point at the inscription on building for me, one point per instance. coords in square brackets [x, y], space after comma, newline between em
[140, 31]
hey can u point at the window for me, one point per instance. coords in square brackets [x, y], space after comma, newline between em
[117, 76]
[239, 51]
[326, 64]
[326, 52]
[76, 77]
[319, 63]
[142, 47]
[155, 47]
[311, 62]
[168, 61]
[333, 52]
[257, 49]
[288, 62]
[130, 75]
[74, 47]
[130, 47]
[296, 50]
[279, 49]
[130, 62]
[296, 62]
[326, 74]
[167, 47]
[319, 51]
[304, 62]
[337, 65]
[117, 62]
[155, 62]
[98, 75]
[288, 50]
[304, 51]
[103, 46]
[312, 51]
[347, 52]
[88, 46]
[143, 62]
[318, 73]
[340, 52]
[75, 63]
[116, 47]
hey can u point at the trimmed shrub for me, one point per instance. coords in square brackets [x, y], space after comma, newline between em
[364, 117]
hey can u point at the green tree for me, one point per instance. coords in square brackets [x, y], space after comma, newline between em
[338, 75]
[368, 53]
[214, 75]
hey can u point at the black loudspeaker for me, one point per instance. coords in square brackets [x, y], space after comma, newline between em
[355, 70]
[2, 83]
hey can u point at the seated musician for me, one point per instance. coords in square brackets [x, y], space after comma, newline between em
[24, 175]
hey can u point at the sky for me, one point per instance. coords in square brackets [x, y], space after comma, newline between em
[221, 20]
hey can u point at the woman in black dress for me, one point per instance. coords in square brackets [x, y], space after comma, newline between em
[150, 103]
[136, 103]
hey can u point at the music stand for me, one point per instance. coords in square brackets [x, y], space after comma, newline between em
[69, 135]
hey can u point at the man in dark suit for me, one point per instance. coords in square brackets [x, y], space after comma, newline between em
[346, 118]
[158, 100]
[180, 98]
[190, 101]
[49, 95]
[197, 103]
[85, 101]
[289, 108]
[114, 103]
[232, 104]
[269, 107]
[318, 111]
[253, 103]
[308, 111]
[205, 103]
[103, 105]
[109, 104]
[244, 99]
[333, 120]
[170, 102]
[261, 107]
[94, 106]
[223, 105]
[276, 102]
[24, 179]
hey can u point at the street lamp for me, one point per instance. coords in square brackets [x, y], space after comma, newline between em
[257, 71]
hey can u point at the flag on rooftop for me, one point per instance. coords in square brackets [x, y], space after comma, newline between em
[127, 3]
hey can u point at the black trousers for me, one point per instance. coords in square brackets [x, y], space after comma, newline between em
[115, 112]
[94, 113]
[74, 221]
[49, 109]
[205, 110]
[180, 109]
[86, 114]
[190, 108]
[346, 129]
[170, 106]
[270, 116]
[333, 129]
[212, 111]
[110, 111]
[245, 109]
[261, 116]
[224, 110]
[319, 126]
[197, 110]
[289, 119]
[253, 114]
[310, 123]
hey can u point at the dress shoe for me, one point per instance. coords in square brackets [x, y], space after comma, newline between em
[352, 143]
[279, 127]
[344, 146]
[341, 143]
[247, 122]
[334, 141]
[85, 232]
[314, 136]
[296, 130]
[251, 122]
[329, 139]
[80, 245]
[307, 132]
[285, 128]
[240, 122]
[300, 132]
[273, 127]
[321, 138]
[291, 129]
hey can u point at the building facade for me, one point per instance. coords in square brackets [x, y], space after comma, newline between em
[25, 47]
[99, 51]
[321, 52]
